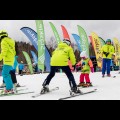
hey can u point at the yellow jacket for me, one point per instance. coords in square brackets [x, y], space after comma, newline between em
[7, 51]
[107, 48]
[62, 54]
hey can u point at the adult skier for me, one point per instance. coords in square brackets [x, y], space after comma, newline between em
[107, 51]
[59, 59]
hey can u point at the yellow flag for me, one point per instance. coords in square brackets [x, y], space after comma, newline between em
[97, 48]
[117, 50]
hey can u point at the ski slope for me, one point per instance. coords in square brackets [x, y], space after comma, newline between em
[108, 88]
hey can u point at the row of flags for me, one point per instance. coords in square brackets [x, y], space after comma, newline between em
[43, 58]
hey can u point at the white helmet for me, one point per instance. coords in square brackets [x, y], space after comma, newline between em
[84, 54]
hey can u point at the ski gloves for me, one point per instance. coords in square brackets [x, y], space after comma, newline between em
[106, 53]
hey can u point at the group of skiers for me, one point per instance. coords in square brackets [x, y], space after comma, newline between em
[64, 52]
[59, 60]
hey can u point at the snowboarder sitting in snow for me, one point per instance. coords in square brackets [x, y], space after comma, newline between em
[60, 59]
[86, 65]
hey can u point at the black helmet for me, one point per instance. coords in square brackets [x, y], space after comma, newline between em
[3, 33]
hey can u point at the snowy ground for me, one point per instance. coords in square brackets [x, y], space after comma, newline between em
[107, 88]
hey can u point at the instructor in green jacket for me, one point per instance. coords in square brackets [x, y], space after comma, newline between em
[59, 59]
[107, 52]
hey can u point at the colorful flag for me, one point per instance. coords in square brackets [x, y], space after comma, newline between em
[32, 36]
[29, 63]
[97, 48]
[78, 41]
[55, 33]
[41, 44]
[34, 56]
[84, 39]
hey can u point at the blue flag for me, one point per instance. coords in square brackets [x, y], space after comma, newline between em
[35, 58]
[78, 41]
[32, 36]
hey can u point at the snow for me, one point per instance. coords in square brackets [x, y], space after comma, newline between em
[108, 88]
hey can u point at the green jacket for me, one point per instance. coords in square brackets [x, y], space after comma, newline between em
[62, 54]
[7, 51]
[85, 67]
[107, 48]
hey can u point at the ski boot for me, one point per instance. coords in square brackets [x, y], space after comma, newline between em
[6, 92]
[88, 85]
[103, 75]
[81, 84]
[17, 85]
[108, 75]
[44, 90]
[74, 91]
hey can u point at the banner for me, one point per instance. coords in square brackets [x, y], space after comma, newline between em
[27, 57]
[32, 36]
[102, 41]
[66, 36]
[91, 41]
[41, 44]
[65, 33]
[34, 57]
[84, 39]
[55, 33]
[117, 50]
[78, 41]
[97, 48]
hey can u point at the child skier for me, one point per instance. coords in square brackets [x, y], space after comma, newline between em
[86, 66]
[7, 55]
[13, 75]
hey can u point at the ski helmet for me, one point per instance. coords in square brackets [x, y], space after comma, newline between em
[108, 40]
[3, 33]
[83, 54]
[68, 42]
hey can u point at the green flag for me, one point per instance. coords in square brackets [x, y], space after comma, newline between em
[41, 44]
[55, 33]
[84, 39]
[102, 41]
[27, 57]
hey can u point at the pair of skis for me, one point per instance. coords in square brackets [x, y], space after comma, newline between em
[110, 76]
[71, 96]
[18, 92]
[78, 94]
[1, 88]
[37, 95]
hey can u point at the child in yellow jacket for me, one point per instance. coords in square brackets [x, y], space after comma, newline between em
[86, 66]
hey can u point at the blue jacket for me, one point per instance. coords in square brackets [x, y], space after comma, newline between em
[21, 66]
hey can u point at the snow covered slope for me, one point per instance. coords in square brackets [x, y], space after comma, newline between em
[108, 88]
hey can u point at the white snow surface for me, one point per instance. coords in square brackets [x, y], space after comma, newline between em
[108, 88]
